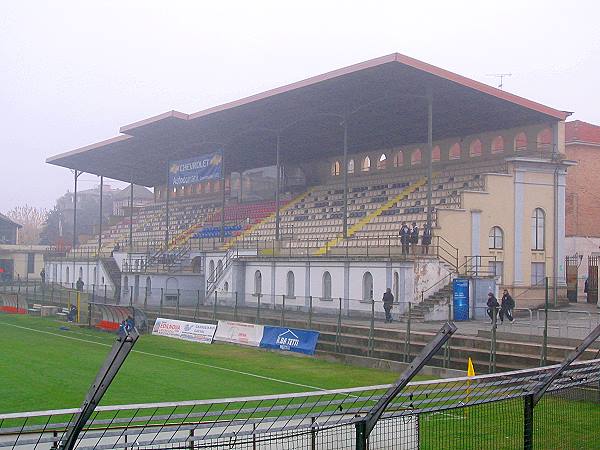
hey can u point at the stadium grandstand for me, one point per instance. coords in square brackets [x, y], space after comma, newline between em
[313, 182]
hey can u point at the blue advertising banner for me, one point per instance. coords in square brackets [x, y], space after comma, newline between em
[195, 170]
[460, 300]
[290, 339]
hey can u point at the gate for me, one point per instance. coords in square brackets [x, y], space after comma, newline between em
[592, 281]
[572, 265]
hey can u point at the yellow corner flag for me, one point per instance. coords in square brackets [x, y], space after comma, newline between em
[470, 369]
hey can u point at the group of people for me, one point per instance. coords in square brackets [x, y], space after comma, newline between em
[502, 309]
[409, 238]
[126, 326]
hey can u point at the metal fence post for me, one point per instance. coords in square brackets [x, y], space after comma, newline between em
[446, 362]
[528, 422]
[407, 342]
[130, 295]
[235, 307]
[162, 297]
[492, 362]
[258, 308]
[214, 317]
[177, 306]
[310, 311]
[339, 327]
[105, 293]
[544, 354]
[145, 296]
[361, 435]
[370, 346]
[283, 310]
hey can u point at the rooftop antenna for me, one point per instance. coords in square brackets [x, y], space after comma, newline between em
[500, 76]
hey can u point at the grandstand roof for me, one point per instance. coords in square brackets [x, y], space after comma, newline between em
[383, 100]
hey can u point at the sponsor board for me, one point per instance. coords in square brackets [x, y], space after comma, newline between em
[195, 170]
[187, 331]
[239, 333]
[290, 339]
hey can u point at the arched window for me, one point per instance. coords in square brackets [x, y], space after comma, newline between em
[257, 282]
[290, 291]
[211, 269]
[367, 286]
[475, 148]
[498, 144]
[81, 272]
[226, 287]
[544, 139]
[335, 168]
[219, 268]
[436, 154]
[396, 286]
[382, 161]
[68, 274]
[415, 157]
[148, 286]
[454, 152]
[399, 159]
[197, 264]
[366, 164]
[351, 166]
[496, 238]
[126, 284]
[520, 142]
[538, 219]
[326, 288]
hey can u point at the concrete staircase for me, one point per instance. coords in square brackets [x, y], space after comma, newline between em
[368, 218]
[114, 273]
[420, 310]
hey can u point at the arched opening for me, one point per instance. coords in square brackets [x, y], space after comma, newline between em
[496, 238]
[326, 288]
[538, 226]
[226, 287]
[366, 164]
[436, 154]
[415, 157]
[520, 142]
[148, 286]
[399, 159]
[396, 286]
[351, 166]
[498, 144]
[197, 264]
[335, 168]
[67, 274]
[290, 285]
[257, 282]
[544, 140]
[219, 268]
[367, 286]
[81, 272]
[125, 284]
[454, 152]
[381, 164]
[475, 148]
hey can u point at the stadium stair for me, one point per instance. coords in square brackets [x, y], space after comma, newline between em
[267, 219]
[114, 273]
[420, 310]
[368, 218]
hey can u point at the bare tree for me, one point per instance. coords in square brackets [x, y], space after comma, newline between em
[32, 219]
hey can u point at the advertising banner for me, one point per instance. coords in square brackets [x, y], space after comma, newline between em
[187, 331]
[290, 339]
[195, 170]
[460, 301]
[239, 333]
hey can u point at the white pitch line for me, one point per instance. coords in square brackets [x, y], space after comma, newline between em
[210, 366]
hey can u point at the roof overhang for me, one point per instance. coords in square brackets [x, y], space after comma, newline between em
[384, 101]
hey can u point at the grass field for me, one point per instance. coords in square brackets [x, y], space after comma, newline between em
[43, 367]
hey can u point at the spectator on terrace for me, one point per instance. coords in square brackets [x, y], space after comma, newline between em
[388, 304]
[404, 237]
[79, 285]
[492, 306]
[426, 239]
[506, 307]
[414, 237]
[43, 276]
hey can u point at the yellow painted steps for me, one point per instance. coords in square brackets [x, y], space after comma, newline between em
[267, 219]
[365, 220]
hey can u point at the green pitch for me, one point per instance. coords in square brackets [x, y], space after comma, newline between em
[43, 367]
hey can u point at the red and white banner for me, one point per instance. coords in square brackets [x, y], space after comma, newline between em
[239, 333]
[187, 331]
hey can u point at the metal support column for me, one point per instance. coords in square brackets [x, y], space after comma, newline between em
[77, 173]
[277, 185]
[345, 172]
[223, 196]
[430, 162]
[101, 216]
[168, 187]
[130, 221]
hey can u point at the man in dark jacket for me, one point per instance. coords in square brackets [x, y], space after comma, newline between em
[426, 239]
[404, 237]
[506, 307]
[414, 237]
[492, 306]
[79, 285]
[388, 304]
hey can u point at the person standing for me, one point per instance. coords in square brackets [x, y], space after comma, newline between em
[414, 237]
[404, 237]
[506, 307]
[79, 285]
[492, 306]
[388, 304]
[43, 276]
[426, 239]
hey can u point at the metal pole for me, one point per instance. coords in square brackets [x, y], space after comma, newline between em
[492, 363]
[277, 183]
[310, 311]
[223, 197]
[407, 337]
[544, 354]
[528, 422]
[283, 310]
[168, 186]
[75, 216]
[130, 221]
[345, 172]
[235, 307]
[430, 162]
[100, 221]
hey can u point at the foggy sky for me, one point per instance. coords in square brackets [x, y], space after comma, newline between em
[73, 72]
